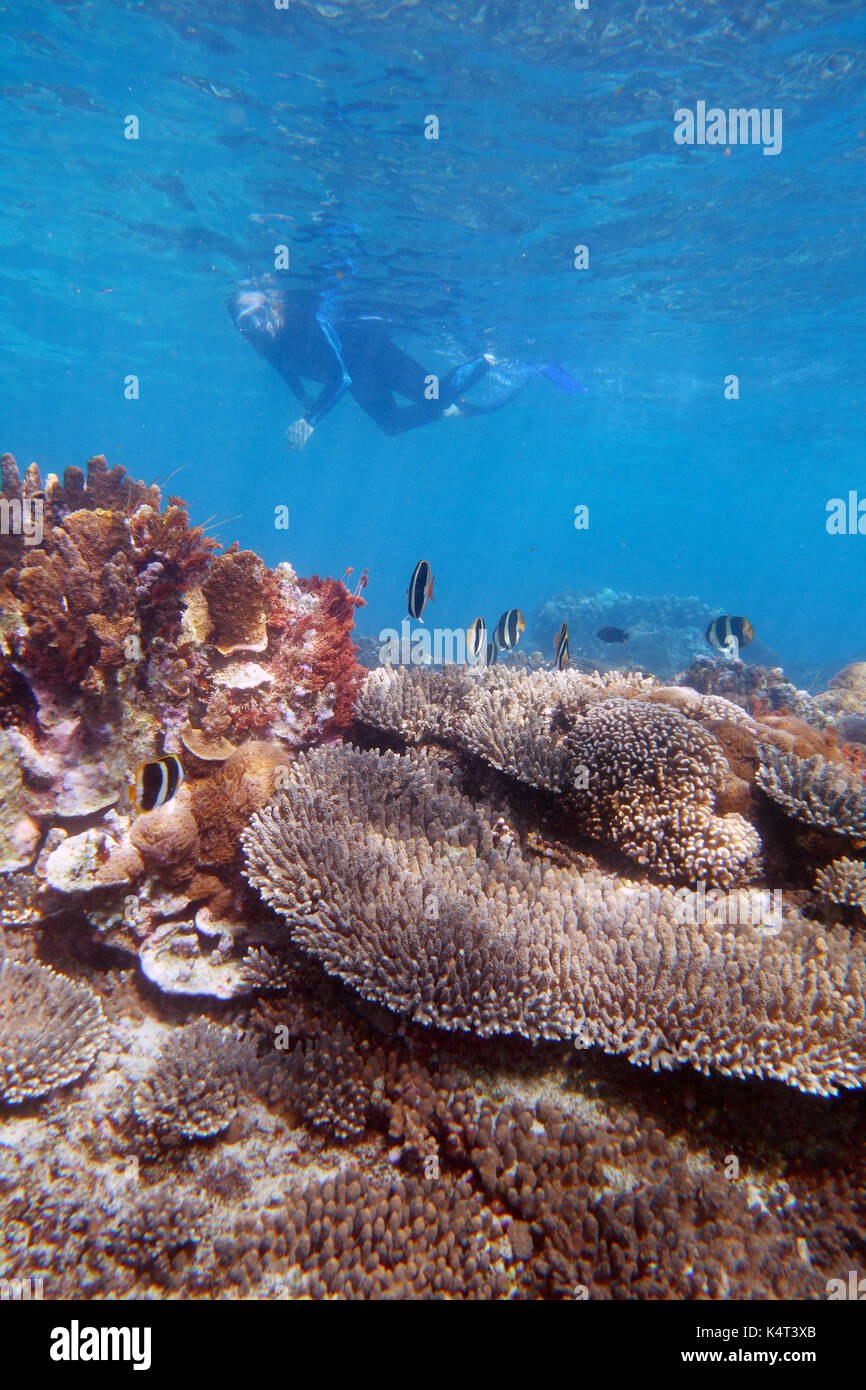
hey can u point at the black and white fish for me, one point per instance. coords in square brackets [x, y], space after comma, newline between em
[560, 647]
[721, 630]
[155, 783]
[509, 629]
[420, 589]
[476, 640]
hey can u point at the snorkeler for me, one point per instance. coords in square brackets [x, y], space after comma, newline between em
[342, 353]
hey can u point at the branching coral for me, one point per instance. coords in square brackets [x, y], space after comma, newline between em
[642, 776]
[50, 1030]
[193, 1090]
[815, 791]
[394, 883]
[651, 780]
[843, 883]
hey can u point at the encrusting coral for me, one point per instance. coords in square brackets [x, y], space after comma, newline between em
[394, 882]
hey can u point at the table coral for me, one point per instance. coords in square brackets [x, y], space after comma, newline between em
[393, 881]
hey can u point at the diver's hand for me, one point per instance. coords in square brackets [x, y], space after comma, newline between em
[298, 434]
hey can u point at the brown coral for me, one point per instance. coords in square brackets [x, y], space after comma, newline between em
[167, 839]
[193, 1090]
[50, 1030]
[641, 775]
[651, 780]
[394, 883]
[223, 803]
[815, 791]
[843, 883]
[235, 600]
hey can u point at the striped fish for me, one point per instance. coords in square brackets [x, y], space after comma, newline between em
[420, 589]
[721, 630]
[156, 783]
[476, 640]
[560, 647]
[509, 629]
[491, 653]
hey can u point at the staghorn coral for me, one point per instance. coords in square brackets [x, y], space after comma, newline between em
[193, 1090]
[50, 1030]
[814, 791]
[394, 883]
[843, 883]
[355, 1237]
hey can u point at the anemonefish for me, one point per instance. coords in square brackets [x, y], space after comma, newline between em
[420, 589]
[721, 630]
[560, 647]
[509, 629]
[476, 639]
[155, 783]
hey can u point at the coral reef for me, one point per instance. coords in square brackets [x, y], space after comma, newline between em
[665, 634]
[843, 883]
[51, 1030]
[815, 791]
[636, 762]
[492, 1033]
[194, 1088]
[393, 881]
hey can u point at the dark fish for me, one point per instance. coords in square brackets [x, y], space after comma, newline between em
[560, 647]
[491, 653]
[722, 629]
[509, 629]
[420, 589]
[476, 639]
[156, 783]
[612, 634]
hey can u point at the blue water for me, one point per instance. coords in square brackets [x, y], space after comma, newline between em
[306, 127]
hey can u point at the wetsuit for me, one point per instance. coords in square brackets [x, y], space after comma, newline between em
[355, 355]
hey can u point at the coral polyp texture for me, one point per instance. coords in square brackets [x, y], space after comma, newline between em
[440, 983]
[637, 765]
[51, 1030]
[815, 791]
[396, 885]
